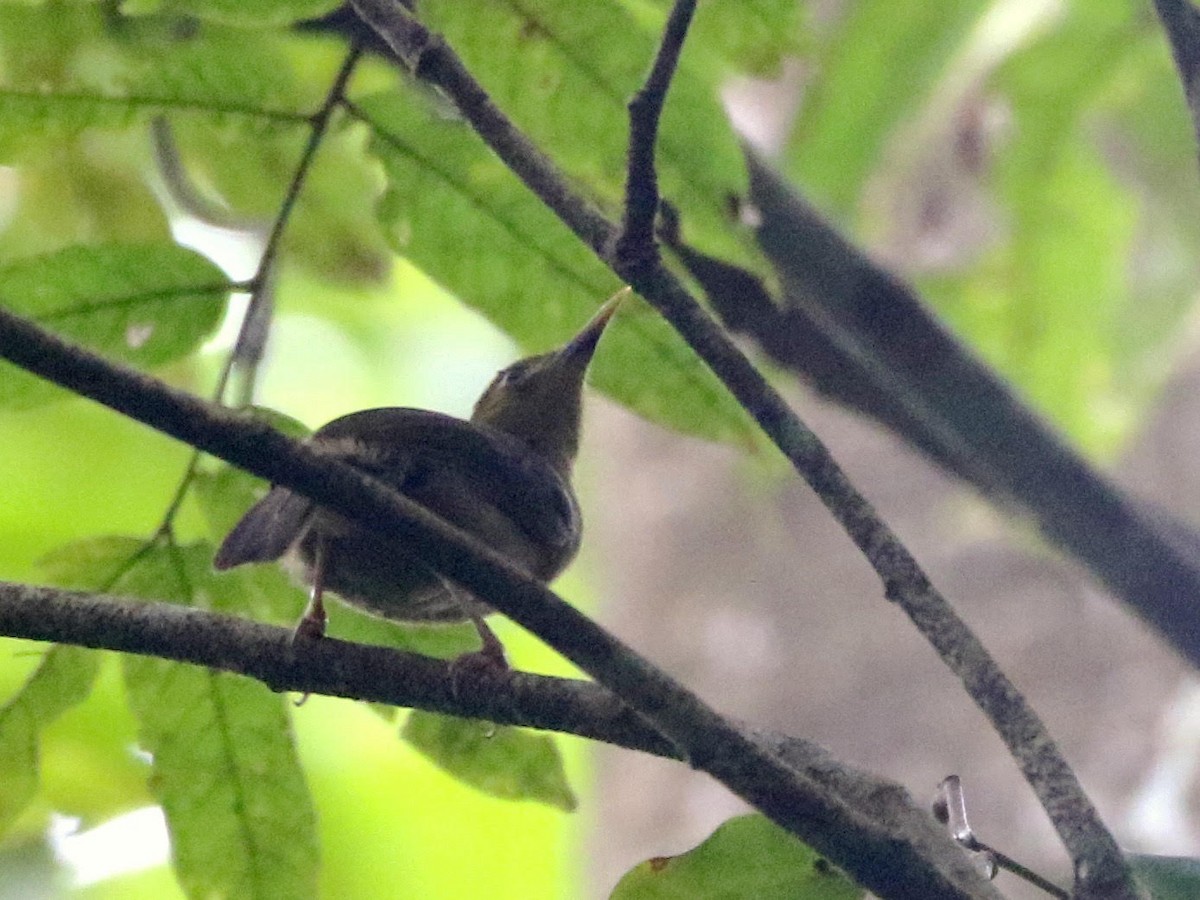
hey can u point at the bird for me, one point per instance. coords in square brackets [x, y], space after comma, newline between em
[503, 476]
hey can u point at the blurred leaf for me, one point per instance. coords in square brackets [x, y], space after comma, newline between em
[95, 564]
[505, 762]
[229, 781]
[333, 232]
[732, 35]
[877, 65]
[108, 71]
[1180, 22]
[1049, 304]
[1167, 877]
[526, 272]
[237, 99]
[1045, 309]
[1159, 169]
[441, 641]
[261, 13]
[749, 856]
[553, 68]
[1055, 290]
[66, 674]
[146, 305]
[225, 767]
[264, 593]
[63, 679]
[133, 567]
[76, 195]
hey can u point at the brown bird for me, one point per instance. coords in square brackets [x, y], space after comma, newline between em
[504, 477]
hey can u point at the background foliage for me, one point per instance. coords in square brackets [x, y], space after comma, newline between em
[1029, 165]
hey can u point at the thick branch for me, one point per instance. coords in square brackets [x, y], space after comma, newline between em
[333, 667]
[1098, 861]
[383, 675]
[709, 742]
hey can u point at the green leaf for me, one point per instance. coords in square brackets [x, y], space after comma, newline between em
[748, 856]
[526, 272]
[63, 679]
[1047, 307]
[261, 13]
[554, 69]
[750, 38]
[69, 67]
[502, 761]
[91, 564]
[875, 69]
[229, 781]
[238, 102]
[1167, 877]
[146, 305]
[264, 593]
[225, 767]
[442, 641]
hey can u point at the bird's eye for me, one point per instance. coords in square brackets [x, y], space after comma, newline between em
[513, 375]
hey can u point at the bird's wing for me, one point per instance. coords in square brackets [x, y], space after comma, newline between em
[403, 446]
[540, 501]
[266, 531]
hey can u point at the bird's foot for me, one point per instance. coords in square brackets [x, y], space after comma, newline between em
[309, 628]
[488, 662]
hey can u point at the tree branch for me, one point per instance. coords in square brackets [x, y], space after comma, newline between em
[251, 340]
[1100, 868]
[330, 666]
[645, 111]
[707, 741]
[384, 675]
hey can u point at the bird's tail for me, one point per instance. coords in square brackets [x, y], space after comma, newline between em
[266, 531]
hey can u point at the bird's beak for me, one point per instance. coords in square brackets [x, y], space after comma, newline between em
[580, 348]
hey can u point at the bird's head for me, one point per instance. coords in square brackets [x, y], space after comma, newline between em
[539, 399]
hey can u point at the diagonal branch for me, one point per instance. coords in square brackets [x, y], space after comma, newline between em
[1099, 865]
[382, 675]
[735, 756]
[252, 334]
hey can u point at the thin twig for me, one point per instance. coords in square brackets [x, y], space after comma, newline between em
[1006, 862]
[950, 808]
[1100, 868]
[255, 322]
[645, 112]
[319, 122]
[705, 739]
